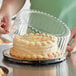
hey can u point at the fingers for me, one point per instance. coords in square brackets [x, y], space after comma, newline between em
[4, 27]
[72, 47]
[6, 21]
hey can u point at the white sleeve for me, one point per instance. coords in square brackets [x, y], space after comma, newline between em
[26, 5]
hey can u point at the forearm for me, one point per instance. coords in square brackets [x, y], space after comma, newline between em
[13, 6]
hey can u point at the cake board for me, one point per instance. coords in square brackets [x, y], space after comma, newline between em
[9, 58]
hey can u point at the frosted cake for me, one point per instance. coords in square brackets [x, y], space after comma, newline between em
[35, 46]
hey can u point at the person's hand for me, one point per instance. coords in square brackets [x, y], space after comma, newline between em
[72, 47]
[8, 9]
[5, 22]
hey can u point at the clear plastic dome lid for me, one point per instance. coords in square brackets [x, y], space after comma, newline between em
[30, 21]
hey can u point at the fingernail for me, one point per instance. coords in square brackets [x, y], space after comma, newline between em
[3, 26]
